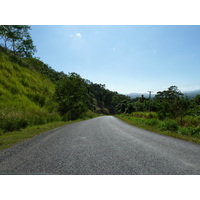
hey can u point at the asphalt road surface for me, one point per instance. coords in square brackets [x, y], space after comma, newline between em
[103, 145]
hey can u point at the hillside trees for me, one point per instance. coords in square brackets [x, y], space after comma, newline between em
[4, 34]
[197, 99]
[45, 69]
[17, 39]
[72, 96]
[171, 103]
[102, 96]
[195, 106]
[98, 90]
[140, 103]
[120, 103]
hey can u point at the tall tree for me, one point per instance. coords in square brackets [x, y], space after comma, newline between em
[120, 103]
[4, 33]
[169, 102]
[17, 38]
[25, 45]
[72, 96]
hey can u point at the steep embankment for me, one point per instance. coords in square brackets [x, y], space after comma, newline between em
[26, 96]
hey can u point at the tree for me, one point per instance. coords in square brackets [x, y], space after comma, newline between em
[197, 99]
[183, 106]
[98, 90]
[130, 108]
[141, 103]
[168, 102]
[102, 98]
[72, 96]
[195, 106]
[4, 34]
[120, 103]
[26, 48]
[17, 38]
[25, 45]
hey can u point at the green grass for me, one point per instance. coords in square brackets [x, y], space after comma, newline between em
[26, 96]
[9, 139]
[89, 114]
[167, 127]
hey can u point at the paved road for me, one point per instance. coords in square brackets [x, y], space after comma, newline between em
[103, 145]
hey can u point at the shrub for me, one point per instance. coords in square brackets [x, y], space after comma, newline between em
[194, 131]
[15, 121]
[147, 115]
[90, 114]
[169, 125]
[152, 122]
[191, 121]
[189, 131]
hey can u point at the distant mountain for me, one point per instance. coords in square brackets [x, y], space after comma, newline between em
[189, 94]
[192, 94]
[134, 95]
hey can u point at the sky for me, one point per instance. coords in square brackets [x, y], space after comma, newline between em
[126, 58]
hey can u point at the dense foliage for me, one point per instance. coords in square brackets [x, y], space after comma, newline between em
[17, 38]
[72, 95]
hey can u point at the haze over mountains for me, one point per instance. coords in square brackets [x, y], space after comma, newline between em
[189, 94]
[192, 94]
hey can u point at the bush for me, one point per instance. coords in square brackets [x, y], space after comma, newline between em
[191, 131]
[90, 114]
[152, 122]
[13, 123]
[37, 98]
[16, 122]
[191, 121]
[183, 131]
[169, 125]
[146, 115]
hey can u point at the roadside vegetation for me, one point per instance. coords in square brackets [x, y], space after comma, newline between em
[33, 94]
[8, 139]
[170, 127]
[26, 96]
[171, 114]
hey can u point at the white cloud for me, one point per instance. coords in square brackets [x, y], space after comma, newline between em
[78, 35]
[75, 35]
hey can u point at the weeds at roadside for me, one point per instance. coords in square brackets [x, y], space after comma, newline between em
[167, 127]
[8, 139]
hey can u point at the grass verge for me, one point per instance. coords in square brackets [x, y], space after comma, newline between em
[9, 139]
[139, 123]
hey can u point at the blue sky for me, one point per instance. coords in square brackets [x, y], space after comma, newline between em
[126, 59]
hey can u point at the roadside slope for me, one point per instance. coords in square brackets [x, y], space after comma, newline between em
[26, 96]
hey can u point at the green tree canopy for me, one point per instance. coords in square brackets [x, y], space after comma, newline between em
[17, 38]
[170, 103]
[72, 96]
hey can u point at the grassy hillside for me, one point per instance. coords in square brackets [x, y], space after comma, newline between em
[26, 96]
